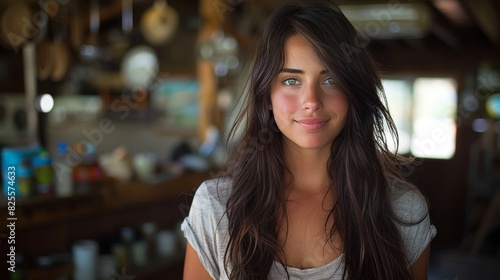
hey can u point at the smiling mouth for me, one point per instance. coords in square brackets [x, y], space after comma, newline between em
[312, 124]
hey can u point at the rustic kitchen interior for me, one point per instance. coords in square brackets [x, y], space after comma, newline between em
[114, 111]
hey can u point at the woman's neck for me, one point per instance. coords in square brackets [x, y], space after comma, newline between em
[309, 169]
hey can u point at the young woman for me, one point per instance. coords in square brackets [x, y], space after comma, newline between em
[311, 191]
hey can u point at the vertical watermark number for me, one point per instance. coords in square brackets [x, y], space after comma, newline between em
[11, 217]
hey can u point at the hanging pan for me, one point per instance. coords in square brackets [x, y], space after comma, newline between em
[16, 24]
[159, 23]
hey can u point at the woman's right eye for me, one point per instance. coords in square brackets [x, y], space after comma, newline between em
[290, 82]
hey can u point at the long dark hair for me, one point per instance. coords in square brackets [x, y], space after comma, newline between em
[360, 164]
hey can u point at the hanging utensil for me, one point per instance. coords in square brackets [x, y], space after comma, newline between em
[39, 25]
[90, 50]
[16, 26]
[76, 29]
[45, 57]
[62, 61]
[159, 23]
[119, 42]
[127, 17]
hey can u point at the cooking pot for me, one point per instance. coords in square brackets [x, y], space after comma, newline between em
[158, 23]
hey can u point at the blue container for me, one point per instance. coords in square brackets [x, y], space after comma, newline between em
[19, 162]
[44, 174]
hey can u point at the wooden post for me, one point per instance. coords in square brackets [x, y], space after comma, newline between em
[205, 68]
[30, 91]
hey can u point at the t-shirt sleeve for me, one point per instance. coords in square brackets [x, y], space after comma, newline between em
[410, 207]
[200, 229]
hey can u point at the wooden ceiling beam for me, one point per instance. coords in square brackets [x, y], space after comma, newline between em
[486, 18]
[446, 36]
[453, 10]
[446, 22]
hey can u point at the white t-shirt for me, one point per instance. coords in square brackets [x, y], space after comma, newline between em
[206, 230]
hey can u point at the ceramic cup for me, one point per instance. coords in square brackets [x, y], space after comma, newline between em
[144, 165]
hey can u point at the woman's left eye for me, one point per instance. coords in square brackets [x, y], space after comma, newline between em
[291, 82]
[329, 81]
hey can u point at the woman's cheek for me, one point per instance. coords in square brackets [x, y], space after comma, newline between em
[284, 102]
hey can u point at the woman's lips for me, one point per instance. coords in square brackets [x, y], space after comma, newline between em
[312, 124]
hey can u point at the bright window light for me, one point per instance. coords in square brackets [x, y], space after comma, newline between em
[398, 94]
[423, 110]
[434, 126]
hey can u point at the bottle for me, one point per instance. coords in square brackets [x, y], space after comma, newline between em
[63, 169]
[44, 174]
[17, 170]
[94, 170]
[127, 239]
[87, 174]
[149, 235]
[80, 171]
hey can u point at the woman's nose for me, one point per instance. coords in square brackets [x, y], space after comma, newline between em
[311, 98]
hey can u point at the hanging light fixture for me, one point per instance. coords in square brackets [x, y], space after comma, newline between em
[44, 103]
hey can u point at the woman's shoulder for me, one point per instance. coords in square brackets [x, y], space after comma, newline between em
[412, 218]
[209, 202]
[409, 204]
[214, 191]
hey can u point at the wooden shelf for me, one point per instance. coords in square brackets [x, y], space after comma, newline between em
[47, 225]
[38, 211]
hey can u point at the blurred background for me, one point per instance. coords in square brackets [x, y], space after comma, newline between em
[112, 112]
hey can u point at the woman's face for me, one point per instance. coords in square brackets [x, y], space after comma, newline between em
[308, 107]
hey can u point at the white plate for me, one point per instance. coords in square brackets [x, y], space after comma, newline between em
[140, 67]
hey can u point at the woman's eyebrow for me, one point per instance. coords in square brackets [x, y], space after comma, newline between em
[292, 71]
[298, 71]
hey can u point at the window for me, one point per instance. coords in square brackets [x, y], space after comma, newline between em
[424, 112]
[398, 94]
